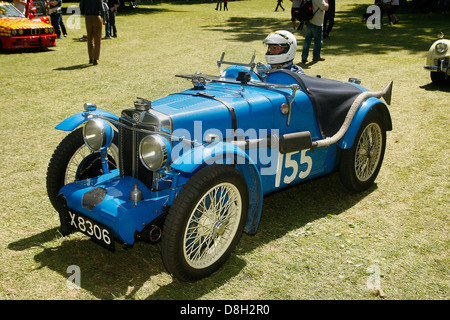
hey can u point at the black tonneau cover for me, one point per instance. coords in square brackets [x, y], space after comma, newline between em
[331, 99]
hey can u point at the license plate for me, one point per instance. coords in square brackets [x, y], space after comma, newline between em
[98, 232]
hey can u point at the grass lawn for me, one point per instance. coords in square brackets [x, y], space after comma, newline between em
[315, 241]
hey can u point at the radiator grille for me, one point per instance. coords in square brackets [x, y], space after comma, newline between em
[130, 165]
[33, 31]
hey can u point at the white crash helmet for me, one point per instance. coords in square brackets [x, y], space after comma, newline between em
[285, 39]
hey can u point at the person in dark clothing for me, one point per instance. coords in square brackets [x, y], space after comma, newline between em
[219, 2]
[111, 30]
[63, 27]
[279, 5]
[94, 18]
[54, 8]
[328, 21]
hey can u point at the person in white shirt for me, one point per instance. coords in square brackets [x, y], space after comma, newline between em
[314, 29]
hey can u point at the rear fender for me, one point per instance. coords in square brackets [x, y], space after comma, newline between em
[75, 120]
[371, 103]
[229, 154]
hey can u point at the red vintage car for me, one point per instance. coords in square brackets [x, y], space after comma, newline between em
[20, 32]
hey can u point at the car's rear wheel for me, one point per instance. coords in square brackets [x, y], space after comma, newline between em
[73, 160]
[205, 222]
[359, 165]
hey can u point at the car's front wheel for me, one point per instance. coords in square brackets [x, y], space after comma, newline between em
[437, 77]
[359, 165]
[205, 222]
[73, 160]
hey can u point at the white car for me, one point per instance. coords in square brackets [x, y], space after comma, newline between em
[438, 60]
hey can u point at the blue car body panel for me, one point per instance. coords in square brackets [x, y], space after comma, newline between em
[116, 211]
[197, 113]
[220, 152]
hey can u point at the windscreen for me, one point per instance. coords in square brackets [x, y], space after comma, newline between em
[9, 11]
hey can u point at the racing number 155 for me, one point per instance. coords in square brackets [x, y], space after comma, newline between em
[290, 161]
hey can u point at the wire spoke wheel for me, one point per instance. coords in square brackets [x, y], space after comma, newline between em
[212, 225]
[86, 163]
[368, 152]
[205, 222]
[359, 165]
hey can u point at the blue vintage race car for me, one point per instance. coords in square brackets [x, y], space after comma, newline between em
[191, 169]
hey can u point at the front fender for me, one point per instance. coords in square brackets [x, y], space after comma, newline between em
[371, 103]
[75, 120]
[229, 154]
[213, 153]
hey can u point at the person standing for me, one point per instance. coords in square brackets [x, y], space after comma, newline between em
[105, 17]
[219, 3]
[328, 22]
[394, 8]
[386, 7]
[111, 30]
[314, 29]
[93, 13]
[54, 8]
[294, 11]
[63, 26]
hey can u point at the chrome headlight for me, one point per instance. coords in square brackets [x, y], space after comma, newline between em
[154, 152]
[13, 32]
[97, 134]
[441, 47]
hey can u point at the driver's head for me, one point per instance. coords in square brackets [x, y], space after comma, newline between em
[281, 47]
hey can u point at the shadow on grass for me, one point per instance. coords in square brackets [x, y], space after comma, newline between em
[144, 6]
[444, 87]
[123, 273]
[127, 11]
[26, 50]
[350, 36]
[74, 67]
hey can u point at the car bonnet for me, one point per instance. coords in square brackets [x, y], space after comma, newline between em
[7, 24]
